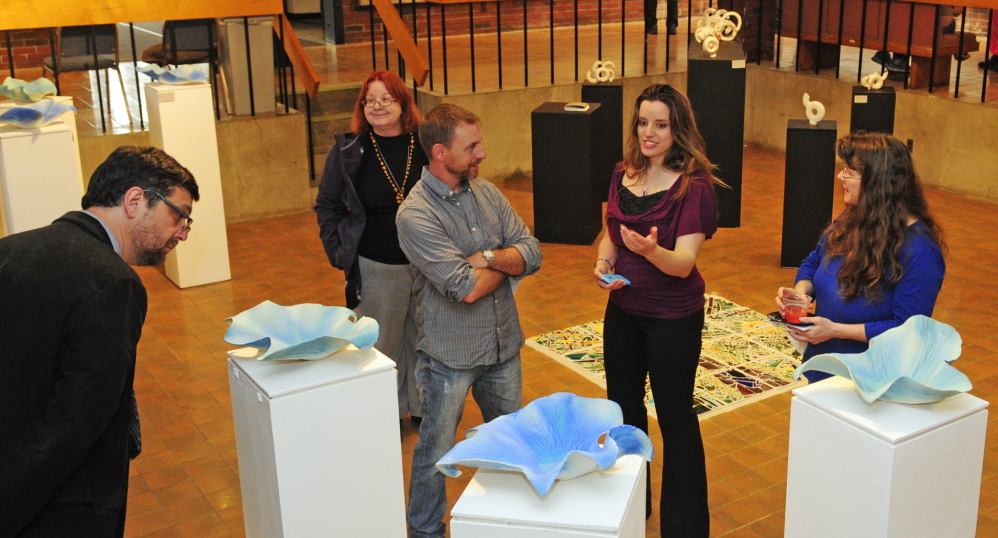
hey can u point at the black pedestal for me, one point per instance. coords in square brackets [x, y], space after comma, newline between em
[808, 188]
[609, 129]
[872, 110]
[565, 156]
[716, 88]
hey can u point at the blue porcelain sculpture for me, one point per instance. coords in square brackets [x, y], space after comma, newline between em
[182, 74]
[36, 114]
[20, 90]
[555, 437]
[300, 332]
[907, 364]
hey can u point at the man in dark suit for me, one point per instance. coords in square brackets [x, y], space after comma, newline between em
[71, 313]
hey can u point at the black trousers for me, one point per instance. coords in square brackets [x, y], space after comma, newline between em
[671, 11]
[668, 351]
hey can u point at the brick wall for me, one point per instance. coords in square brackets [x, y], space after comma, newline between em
[977, 22]
[29, 47]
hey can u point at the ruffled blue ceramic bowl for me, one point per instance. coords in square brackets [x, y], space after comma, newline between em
[907, 364]
[300, 332]
[182, 74]
[555, 437]
[20, 90]
[36, 114]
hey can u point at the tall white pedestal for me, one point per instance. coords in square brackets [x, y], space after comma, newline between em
[40, 174]
[319, 446]
[883, 469]
[182, 123]
[502, 504]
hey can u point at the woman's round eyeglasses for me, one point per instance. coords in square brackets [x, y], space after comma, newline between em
[384, 100]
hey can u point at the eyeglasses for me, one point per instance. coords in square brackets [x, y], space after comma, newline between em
[190, 221]
[848, 174]
[384, 101]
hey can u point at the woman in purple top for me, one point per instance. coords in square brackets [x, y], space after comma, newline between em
[661, 208]
[880, 262]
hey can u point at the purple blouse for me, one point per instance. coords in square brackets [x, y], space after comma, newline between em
[653, 293]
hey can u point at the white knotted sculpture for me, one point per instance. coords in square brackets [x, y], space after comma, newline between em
[717, 25]
[874, 81]
[601, 72]
[815, 110]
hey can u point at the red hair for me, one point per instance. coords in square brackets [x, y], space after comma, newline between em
[410, 118]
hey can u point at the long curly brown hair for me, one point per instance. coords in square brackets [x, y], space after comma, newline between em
[688, 154]
[869, 234]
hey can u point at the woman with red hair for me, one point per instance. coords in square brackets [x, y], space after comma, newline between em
[368, 174]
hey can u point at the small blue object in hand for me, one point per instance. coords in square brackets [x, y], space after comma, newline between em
[610, 278]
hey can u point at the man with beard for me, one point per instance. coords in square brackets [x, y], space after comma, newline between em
[71, 312]
[468, 246]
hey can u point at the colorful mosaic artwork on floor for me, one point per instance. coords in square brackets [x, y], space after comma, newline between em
[744, 357]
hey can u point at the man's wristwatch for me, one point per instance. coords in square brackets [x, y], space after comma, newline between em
[489, 257]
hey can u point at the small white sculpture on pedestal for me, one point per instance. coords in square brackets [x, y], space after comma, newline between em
[815, 110]
[874, 81]
[601, 72]
[717, 25]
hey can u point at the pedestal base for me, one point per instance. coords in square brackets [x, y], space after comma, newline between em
[882, 469]
[182, 123]
[872, 110]
[808, 188]
[39, 175]
[610, 130]
[716, 88]
[567, 205]
[502, 504]
[318, 444]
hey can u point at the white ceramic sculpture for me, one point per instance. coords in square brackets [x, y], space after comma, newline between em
[601, 72]
[815, 110]
[874, 81]
[715, 26]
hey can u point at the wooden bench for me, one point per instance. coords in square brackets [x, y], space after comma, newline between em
[922, 22]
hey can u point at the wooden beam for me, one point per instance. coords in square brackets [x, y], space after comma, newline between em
[403, 40]
[303, 67]
[28, 14]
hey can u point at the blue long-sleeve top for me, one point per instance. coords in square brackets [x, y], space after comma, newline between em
[915, 293]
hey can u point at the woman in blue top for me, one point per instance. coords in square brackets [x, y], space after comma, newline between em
[880, 262]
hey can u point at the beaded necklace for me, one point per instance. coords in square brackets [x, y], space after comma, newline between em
[399, 189]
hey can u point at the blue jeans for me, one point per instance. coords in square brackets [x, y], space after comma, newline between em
[497, 390]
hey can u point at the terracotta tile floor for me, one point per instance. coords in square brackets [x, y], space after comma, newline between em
[186, 481]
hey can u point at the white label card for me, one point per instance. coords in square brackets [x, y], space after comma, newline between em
[860, 99]
[738, 64]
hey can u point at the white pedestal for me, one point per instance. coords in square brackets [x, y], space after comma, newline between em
[502, 504]
[182, 123]
[883, 469]
[40, 174]
[319, 446]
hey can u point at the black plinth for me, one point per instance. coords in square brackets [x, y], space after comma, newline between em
[565, 157]
[872, 110]
[716, 88]
[808, 188]
[609, 130]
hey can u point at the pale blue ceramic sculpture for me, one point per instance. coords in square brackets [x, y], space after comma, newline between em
[182, 74]
[36, 114]
[555, 437]
[300, 332]
[20, 90]
[907, 364]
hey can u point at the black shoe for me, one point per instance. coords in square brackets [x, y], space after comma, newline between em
[673, 28]
[651, 28]
[881, 57]
[991, 64]
[897, 65]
